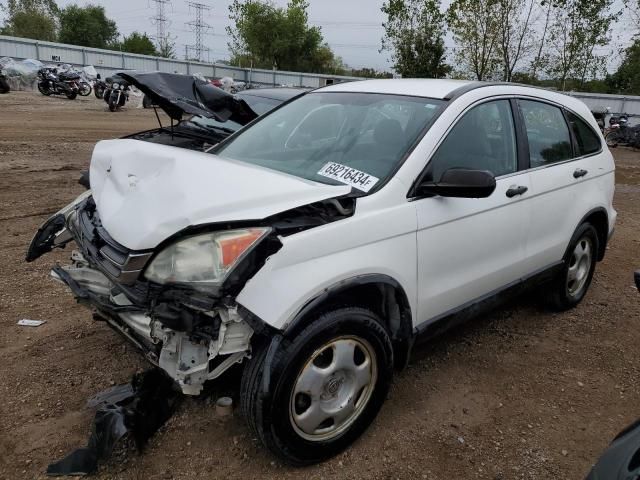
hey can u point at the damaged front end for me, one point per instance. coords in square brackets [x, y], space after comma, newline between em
[193, 334]
[161, 300]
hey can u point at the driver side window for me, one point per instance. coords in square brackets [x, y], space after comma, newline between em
[484, 139]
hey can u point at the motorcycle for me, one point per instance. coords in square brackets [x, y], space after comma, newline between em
[99, 87]
[4, 84]
[117, 93]
[621, 134]
[50, 83]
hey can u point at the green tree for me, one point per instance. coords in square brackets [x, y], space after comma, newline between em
[87, 26]
[34, 19]
[515, 34]
[578, 28]
[414, 34]
[266, 36]
[626, 80]
[476, 30]
[166, 48]
[137, 43]
[369, 73]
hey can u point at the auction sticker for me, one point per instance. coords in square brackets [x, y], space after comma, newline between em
[349, 176]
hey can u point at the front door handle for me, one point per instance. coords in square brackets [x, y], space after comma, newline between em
[579, 173]
[513, 191]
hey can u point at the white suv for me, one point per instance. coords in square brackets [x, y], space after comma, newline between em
[316, 244]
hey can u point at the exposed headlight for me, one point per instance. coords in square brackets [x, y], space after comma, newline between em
[115, 85]
[204, 260]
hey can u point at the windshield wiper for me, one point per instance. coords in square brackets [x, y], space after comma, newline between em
[213, 127]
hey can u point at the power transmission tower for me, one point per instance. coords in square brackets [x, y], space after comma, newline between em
[199, 27]
[163, 38]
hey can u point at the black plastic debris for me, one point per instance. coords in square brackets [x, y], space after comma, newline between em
[137, 410]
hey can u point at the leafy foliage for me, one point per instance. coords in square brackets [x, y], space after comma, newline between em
[476, 30]
[137, 43]
[31, 19]
[515, 33]
[626, 80]
[577, 29]
[414, 33]
[267, 36]
[87, 26]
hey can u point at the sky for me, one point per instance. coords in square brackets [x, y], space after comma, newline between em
[353, 28]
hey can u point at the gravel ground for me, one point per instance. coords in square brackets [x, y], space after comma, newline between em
[518, 393]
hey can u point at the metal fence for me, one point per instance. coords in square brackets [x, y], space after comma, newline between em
[108, 62]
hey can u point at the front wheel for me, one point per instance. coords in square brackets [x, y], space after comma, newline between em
[71, 95]
[113, 104]
[326, 386]
[43, 90]
[571, 284]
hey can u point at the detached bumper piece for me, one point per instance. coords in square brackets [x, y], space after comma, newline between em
[136, 410]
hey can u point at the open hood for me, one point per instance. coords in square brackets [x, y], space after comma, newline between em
[146, 192]
[178, 94]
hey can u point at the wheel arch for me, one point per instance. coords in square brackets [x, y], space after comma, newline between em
[381, 293]
[599, 218]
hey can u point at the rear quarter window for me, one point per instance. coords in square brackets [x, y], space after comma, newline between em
[588, 141]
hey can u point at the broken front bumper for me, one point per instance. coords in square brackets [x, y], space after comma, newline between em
[192, 337]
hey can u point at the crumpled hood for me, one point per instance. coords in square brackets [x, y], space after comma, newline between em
[146, 192]
[178, 94]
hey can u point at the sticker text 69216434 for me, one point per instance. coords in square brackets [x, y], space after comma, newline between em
[349, 176]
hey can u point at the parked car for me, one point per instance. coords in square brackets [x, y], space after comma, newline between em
[317, 244]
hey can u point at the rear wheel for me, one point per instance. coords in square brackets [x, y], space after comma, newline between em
[4, 85]
[571, 284]
[85, 89]
[614, 138]
[326, 386]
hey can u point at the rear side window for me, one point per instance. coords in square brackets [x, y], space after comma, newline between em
[547, 132]
[587, 140]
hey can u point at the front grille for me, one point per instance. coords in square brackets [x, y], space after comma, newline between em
[117, 262]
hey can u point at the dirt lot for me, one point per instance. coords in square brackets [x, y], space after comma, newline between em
[518, 393]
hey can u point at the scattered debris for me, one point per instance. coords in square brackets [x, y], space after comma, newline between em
[224, 406]
[25, 322]
[137, 409]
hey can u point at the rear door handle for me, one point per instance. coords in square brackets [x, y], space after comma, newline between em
[579, 173]
[513, 191]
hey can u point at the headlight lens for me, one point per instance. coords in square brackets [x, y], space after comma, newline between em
[115, 85]
[204, 259]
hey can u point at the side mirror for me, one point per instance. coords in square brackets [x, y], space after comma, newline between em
[460, 183]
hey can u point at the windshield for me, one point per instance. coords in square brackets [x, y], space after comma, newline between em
[356, 139]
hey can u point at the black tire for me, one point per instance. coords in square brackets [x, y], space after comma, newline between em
[560, 294]
[4, 85]
[269, 414]
[98, 92]
[71, 95]
[113, 106]
[43, 91]
[614, 138]
[146, 102]
[85, 89]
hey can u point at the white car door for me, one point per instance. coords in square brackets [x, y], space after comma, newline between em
[471, 248]
[560, 177]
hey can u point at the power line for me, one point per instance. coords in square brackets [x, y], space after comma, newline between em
[199, 27]
[162, 24]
